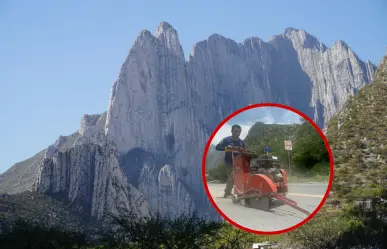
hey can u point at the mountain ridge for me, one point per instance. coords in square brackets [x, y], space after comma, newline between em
[154, 106]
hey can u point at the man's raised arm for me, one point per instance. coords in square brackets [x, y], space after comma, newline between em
[221, 146]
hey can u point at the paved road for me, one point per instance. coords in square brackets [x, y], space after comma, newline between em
[307, 195]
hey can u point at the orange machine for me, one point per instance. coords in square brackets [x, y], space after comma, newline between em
[259, 180]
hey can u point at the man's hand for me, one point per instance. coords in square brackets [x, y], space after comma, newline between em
[230, 147]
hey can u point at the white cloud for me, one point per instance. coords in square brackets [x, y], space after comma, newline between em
[269, 119]
[291, 118]
[267, 115]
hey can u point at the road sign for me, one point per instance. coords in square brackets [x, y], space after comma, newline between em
[288, 145]
[267, 149]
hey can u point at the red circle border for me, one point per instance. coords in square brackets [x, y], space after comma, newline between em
[331, 174]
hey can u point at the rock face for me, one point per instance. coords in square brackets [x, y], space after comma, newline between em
[92, 129]
[162, 109]
[174, 105]
[294, 69]
[153, 84]
[90, 177]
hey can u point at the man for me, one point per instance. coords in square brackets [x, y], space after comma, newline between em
[230, 143]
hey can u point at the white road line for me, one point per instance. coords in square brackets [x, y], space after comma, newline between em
[296, 194]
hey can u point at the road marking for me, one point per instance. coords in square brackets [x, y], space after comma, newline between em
[296, 194]
[306, 195]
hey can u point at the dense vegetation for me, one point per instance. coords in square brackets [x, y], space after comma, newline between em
[126, 231]
[352, 228]
[309, 157]
[357, 136]
[30, 207]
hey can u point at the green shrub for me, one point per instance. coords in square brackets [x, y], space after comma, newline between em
[321, 233]
[219, 173]
[28, 235]
[322, 169]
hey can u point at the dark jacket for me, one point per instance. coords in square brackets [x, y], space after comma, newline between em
[221, 146]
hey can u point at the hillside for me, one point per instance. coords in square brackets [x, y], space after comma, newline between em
[357, 135]
[20, 177]
[41, 210]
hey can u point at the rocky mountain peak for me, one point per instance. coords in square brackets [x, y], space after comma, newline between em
[162, 110]
[340, 44]
[340, 48]
[215, 37]
[290, 30]
[61, 140]
[253, 40]
[88, 121]
[144, 35]
[212, 42]
[170, 38]
[164, 28]
[303, 39]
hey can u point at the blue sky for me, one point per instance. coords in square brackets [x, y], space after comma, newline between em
[267, 115]
[58, 59]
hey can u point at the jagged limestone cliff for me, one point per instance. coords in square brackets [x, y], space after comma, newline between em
[90, 177]
[162, 110]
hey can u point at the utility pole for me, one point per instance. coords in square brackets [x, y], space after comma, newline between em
[288, 147]
[290, 169]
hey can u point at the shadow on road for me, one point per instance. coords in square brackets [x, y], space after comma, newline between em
[276, 203]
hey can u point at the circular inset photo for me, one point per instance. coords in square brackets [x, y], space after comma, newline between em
[267, 168]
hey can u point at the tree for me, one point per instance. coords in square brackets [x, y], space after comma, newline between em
[309, 148]
[320, 234]
[185, 231]
[219, 173]
[26, 234]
